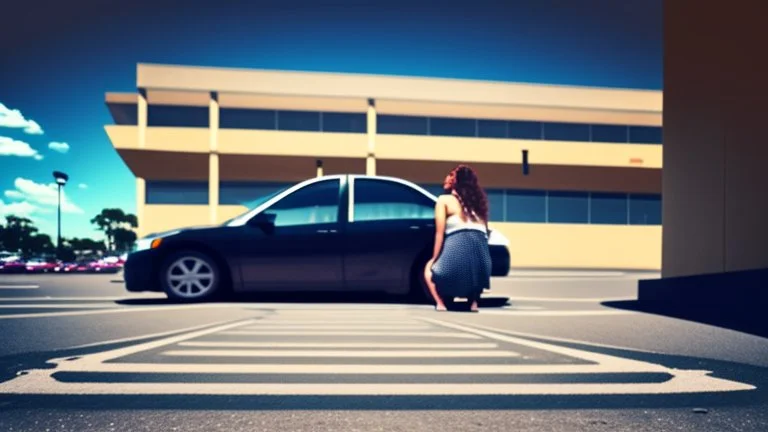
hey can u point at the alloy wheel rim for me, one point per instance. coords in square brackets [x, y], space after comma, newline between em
[190, 277]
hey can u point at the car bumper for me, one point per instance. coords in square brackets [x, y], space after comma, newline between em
[500, 260]
[139, 272]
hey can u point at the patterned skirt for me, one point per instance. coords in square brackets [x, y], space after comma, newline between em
[463, 268]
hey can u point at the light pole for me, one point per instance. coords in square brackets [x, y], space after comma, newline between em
[61, 180]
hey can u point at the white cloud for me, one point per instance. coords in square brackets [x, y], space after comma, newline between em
[60, 147]
[12, 118]
[20, 209]
[38, 157]
[12, 147]
[41, 194]
[82, 186]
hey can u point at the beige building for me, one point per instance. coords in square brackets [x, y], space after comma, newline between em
[204, 142]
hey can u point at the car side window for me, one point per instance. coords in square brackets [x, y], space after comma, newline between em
[317, 203]
[386, 200]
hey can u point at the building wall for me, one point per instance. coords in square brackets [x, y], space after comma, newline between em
[715, 140]
[533, 245]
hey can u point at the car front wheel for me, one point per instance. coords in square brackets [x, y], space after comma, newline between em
[190, 276]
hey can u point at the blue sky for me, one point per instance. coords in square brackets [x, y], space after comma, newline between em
[66, 57]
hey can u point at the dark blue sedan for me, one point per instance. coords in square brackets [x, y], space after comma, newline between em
[331, 233]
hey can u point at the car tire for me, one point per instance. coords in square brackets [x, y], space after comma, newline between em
[190, 276]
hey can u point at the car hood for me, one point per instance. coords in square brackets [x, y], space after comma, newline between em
[177, 231]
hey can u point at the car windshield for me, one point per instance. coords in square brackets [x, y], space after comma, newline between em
[257, 202]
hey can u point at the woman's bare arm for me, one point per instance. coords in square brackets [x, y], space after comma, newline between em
[440, 216]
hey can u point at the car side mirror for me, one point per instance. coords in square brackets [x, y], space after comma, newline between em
[263, 221]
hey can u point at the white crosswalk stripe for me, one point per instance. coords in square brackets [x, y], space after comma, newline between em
[414, 356]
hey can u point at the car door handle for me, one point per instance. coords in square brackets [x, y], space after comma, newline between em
[325, 231]
[414, 227]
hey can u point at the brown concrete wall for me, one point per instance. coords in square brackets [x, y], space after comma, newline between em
[715, 209]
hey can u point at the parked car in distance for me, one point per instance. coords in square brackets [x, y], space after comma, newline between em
[331, 233]
[12, 263]
[65, 267]
[105, 265]
[40, 265]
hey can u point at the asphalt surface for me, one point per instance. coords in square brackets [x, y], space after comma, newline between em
[547, 352]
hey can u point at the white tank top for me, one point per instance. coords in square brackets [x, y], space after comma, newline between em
[454, 223]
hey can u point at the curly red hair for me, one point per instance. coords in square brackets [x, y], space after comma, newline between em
[463, 180]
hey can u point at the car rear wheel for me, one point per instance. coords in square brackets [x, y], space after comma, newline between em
[191, 276]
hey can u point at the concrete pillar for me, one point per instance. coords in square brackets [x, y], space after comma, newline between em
[370, 160]
[715, 210]
[141, 189]
[213, 158]
[141, 199]
[142, 116]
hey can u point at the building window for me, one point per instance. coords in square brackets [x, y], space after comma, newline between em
[496, 205]
[241, 118]
[609, 208]
[298, 121]
[176, 192]
[245, 193]
[492, 128]
[568, 207]
[644, 209]
[525, 130]
[610, 133]
[443, 126]
[645, 135]
[124, 113]
[566, 131]
[345, 122]
[177, 116]
[405, 125]
[526, 206]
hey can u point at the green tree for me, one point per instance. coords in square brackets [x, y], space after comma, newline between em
[113, 221]
[39, 245]
[17, 233]
[124, 240]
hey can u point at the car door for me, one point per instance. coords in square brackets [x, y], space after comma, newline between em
[303, 250]
[390, 225]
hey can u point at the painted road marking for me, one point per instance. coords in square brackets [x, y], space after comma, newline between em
[416, 345]
[15, 287]
[41, 381]
[146, 336]
[334, 327]
[573, 299]
[103, 311]
[342, 353]
[349, 333]
[552, 313]
[58, 306]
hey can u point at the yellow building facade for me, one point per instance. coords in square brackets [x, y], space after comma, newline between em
[204, 142]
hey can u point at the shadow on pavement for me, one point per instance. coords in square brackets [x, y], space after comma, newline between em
[487, 301]
[746, 319]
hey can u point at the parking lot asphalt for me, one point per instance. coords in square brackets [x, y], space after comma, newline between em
[546, 352]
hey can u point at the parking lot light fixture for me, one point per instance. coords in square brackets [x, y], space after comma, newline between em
[61, 180]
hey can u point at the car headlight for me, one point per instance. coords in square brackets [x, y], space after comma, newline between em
[151, 242]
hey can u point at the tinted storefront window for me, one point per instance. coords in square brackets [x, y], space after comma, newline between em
[388, 124]
[568, 207]
[238, 118]
[609, 208]
[177, 116]
[526, 206]
[176, 192]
